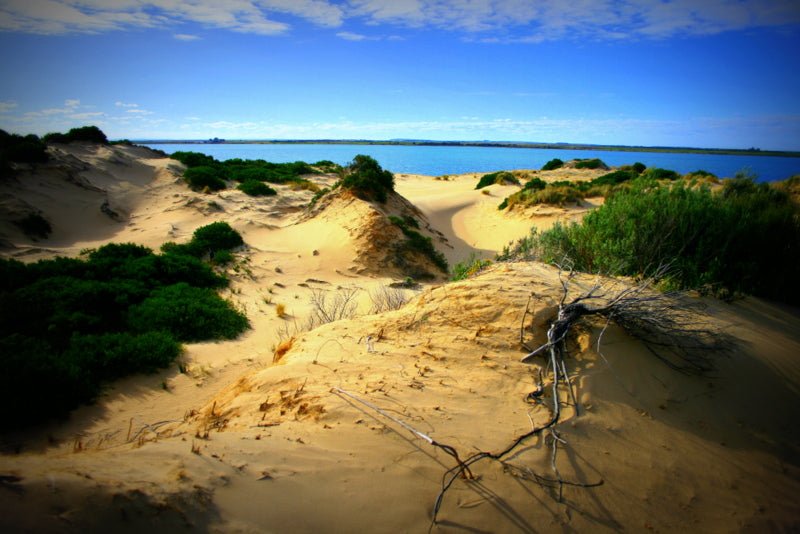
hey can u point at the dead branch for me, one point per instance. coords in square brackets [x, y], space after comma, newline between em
[324, 310]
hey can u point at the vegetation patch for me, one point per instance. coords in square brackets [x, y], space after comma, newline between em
[19, 149]
[469, 267]
[419, 243]
[499, 178]
[367, 179]
[69, 325]
[552, 165]
[743, 239]
[254, 188]
[86, 134]
[206, 172]
[594, 163]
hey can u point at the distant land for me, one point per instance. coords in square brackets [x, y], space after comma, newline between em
[490, 144]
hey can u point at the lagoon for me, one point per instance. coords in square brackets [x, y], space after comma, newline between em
[439, 160]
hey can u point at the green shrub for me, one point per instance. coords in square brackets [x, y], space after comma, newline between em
[256, 189]
[469, 267]
[194, 159]
[328, 166]
[614, 178]
[744, 240]
[367, 180]
[535, 184]
[420, 243]
[69, 325]
[655, 173]
[500, 178]
[90, 134]
[189, 313]
[594, 163]
[203, 177]
[552, 165]
[27, 149]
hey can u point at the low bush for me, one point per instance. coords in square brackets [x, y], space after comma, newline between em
[188, 313]
[419, 243]
[21, 149]
[202, 177]
[90, 134]
[469, 267]
[69, 325]
[745, 239]
[256, 189]
[535, 184]
[594, 163]
[367, 180]
[655, 173]
[500, 178]
[552, 165]
[614, 178]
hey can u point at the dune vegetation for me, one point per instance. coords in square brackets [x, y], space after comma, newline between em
[743, 238]
[70, 325]
[205, 173]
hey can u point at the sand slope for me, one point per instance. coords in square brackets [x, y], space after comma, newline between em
[237, 443]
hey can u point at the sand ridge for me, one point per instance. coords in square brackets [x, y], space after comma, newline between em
[234, 442]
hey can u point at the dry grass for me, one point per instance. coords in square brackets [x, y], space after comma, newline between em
[280, 310]
[282, 348]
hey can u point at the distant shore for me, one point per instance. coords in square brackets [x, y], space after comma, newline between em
[486, 144]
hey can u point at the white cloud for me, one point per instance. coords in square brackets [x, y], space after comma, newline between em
[186, 37]
[7, 105]
[139, 111]
[350, 36]
[125, 105]
[489, 20]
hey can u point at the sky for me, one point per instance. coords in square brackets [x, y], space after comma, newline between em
[716, 73]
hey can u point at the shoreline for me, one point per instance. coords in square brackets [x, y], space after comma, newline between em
[481, 144]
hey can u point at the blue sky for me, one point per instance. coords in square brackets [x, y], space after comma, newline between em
[716, 73]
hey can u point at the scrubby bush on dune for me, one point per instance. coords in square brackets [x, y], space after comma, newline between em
[188, 313]
[256, 189]
[655, 173]
[418, 242]
[202, 177]
[69, 325]
[614, 178]
[500, 178]
[367, 179]
[22, 149]
[535, 184]
[469, 267]
[327, 166]
[552, 165]
[701, 176]
[745, 239]
[194, 159]
[594, 163]
[89, 134]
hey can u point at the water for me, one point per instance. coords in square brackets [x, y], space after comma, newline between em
[438, 160]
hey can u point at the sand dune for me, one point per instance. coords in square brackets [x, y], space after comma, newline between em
[237, 443]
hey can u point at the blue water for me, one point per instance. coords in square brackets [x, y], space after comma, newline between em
[438, 160]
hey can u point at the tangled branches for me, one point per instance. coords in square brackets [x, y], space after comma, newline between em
[665, 322]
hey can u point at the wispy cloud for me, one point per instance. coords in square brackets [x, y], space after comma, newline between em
[485, 20]
[350, 36]
[125, 104]
[7, 106]
[186, 37]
